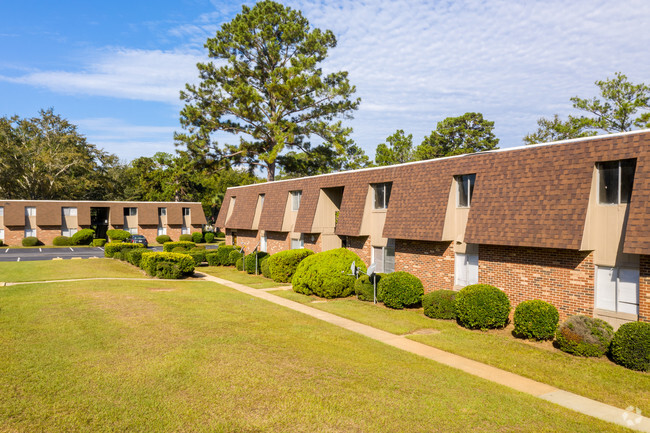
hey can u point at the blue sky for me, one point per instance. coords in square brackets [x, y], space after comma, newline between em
[116, 68]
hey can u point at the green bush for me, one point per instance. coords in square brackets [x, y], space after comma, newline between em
[240, 264]
[233, 256]
[584, 336]
[198, 256]
[223, 254]
[264, 266]
[220, 235]
[440, 304]
[118, 235]
[179, 250]
[1, 242]
[326, 274]
[168, 271]
[249, 262]
[150, 261]
[631, 346]
[83, 237]
[212, 259]
[283, 265]
[185, 238]
[134, 256]
[31, 241]
[197, 237]
[364, 287]
[111, 248]
[209, 237]
[161, 239]
[536, 320]
[99, 242]
[198, 248]
[61, 241]
[168, 247]
[481, 306]
[400, 289]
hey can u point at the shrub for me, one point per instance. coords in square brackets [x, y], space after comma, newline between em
[168, 271]
[61, 241]
[111, 248]
[209, 237]
[326, 274]
[179, 250]
[283, 265]
[223, 253]
[83, 237]
[134, 256]
[482, 306]
[31, 241]
[249, 262]
[185, 238]
[162, 239]
[118, 235]
[212, 259]
[233, 256]
[198, 256]
[364, 287]
[400, 289]
[584, 336]
[197, 237]
[150, 261]
[264, 266]
[220, 235]
[240, 264]
[198, 248]
[171, 246]
[631, 346]
[99, 242]
[440, 304]
[1, 242]
[536, 320]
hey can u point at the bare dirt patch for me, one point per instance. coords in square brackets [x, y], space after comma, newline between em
[424, 331]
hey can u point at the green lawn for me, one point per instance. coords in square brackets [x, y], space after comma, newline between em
[159, 356]
[67, 270]
[599, 379]
[231, 274]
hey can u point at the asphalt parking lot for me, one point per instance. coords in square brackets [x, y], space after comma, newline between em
[62, 253]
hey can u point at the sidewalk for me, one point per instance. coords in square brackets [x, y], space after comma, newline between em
[546, 392]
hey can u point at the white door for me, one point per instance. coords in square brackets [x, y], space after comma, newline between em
[617, 289]
[263, 243]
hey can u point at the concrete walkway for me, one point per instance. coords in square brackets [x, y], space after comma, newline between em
[546, 392]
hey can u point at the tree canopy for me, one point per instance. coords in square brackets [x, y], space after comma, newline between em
[268, 89]
[398, 149]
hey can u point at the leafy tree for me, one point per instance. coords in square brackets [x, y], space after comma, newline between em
[458, 135]
[397, 149]
[557, 129]
[320, 160]
[268, 89]
[45, 158]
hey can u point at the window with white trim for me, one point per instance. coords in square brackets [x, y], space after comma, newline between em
[162, 211]
[261, 201]
[295, 200]
[615, 179]
[617, 289]
[162, 231]
[299, 243]
[69, 211]
[30, 211]
[186, 211]
[68, 232]
[130, 211]
[263, 243]
[2, 234]
[465, 269]
[132, 230]
[185, 230]
[465, 184]
[384, 258]
[2, 211]
[381, 195]
[30, 233]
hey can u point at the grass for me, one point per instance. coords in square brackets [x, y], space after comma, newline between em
[18, 247]
[67, 270]
[154, 356]
[598, 379]
[231, 274]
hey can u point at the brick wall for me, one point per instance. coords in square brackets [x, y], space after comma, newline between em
[431, 262]
[564, 278]
[644, 289]
[360, 245]
[313, 242]
[247, 239]
[277, 241]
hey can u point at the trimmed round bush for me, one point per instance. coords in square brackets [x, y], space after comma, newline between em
[482, 306]
[149, 262]
[162, 239]
[249, 262]
[61, 241]
[264, 266]
[118, 235]
[223, 254]
[240, 264]
[171, 246]
[364, 287]
[326, 274]
[440, 304]
[168, 271]
[185, 238]
[197, 237]
[212, 259]
[198, 256]
[220, 235]
[283, 265]
[233, 256]
[400, 289]
[83, 237]
[536, 320]
[631, 346]
[134, 256]
[30, 241]
[584, 336]
[99, 242]
[209, 237]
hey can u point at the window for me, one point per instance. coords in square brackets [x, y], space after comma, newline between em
[132, 230]
[68, 232]
[615, 181]
[295, 200]
[30, 232]
[185, 230]
[465, 189]
[263, 243]
[2, 234]
[30, 211]
[69, 211]
[299, 243]
[466, 269]
[2, 211]
[617, 289]
[186, 211]
[162, 211]
[162, 231]
[384, 258]
[382, 195]
[261, 201]
[130, 211]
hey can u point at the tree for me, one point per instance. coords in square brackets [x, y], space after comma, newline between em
[458, 135]
[398, 149]
[45, 158]
[268, 89]
[557, 129]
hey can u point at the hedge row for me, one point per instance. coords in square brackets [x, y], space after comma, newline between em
[185, 245]
[110, 249]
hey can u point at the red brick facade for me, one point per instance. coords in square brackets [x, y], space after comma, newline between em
[277, 241]
[313, 242]
[644, 289]
[432, 262]
[360, 245]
